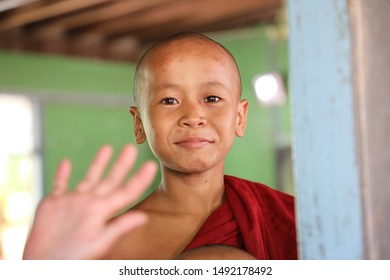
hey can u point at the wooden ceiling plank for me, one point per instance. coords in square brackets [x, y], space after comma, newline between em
[196, 20]
[240, 21]
[149, 35]
[12, 4]
[51, 10]
[121, 28]
[172, 9]
[194, 12]
[101, 14]
[230, 9]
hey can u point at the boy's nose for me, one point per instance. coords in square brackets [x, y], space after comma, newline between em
[192, 122]
[192, 118]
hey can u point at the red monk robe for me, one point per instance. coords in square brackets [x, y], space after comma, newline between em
[253, 217]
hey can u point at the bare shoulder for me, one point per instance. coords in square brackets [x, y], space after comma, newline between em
[164, 236]
[216, 252]
[141, 242]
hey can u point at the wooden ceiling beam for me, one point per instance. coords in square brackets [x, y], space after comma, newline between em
[19, 40]
[183, 15]
[230, 10]
[120, 29]
[195, 21]
[105, 13]
[254, 18]
[53, 9]
[6, 5]
[155, 16]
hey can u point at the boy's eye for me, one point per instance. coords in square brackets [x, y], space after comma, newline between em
[169, 101]
[212, 98]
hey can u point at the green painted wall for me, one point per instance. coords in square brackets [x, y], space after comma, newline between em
[76, 130]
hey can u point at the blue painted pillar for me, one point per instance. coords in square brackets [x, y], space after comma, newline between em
[326, 156]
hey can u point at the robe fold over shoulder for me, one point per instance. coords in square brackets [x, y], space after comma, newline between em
[253, 217]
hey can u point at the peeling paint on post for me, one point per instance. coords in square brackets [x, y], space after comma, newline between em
[325, 147]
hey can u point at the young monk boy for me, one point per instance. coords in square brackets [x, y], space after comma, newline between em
[188, 107]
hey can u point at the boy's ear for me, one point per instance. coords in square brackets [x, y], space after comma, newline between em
[138, 127]
[241, 117]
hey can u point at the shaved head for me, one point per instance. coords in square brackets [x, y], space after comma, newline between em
[186, 42]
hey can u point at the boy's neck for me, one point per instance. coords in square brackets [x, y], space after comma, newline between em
[193, 193]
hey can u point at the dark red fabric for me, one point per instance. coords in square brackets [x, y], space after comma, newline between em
[253, 217]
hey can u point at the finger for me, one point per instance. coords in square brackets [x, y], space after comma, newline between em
[120, 169]
[133, 189]
[96, 169]
[61, 177]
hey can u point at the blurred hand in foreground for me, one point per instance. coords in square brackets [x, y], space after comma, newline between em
[78, 224]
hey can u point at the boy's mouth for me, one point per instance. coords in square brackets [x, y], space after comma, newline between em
[193, 142]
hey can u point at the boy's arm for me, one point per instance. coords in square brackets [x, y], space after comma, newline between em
[78, 224]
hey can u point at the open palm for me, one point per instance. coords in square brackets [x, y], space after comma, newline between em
[79, 224]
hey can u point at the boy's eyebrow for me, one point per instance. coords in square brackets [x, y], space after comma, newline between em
[167, 86]
[214, 83]
[177, 86]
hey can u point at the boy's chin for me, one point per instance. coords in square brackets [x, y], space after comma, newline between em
[195, 168]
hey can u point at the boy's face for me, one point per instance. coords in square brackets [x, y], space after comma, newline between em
[191, 110]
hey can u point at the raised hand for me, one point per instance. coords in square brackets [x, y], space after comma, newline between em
[79, 224]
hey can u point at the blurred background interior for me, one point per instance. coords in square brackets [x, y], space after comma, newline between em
[66, 77]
